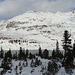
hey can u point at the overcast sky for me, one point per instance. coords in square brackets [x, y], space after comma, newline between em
[11, 8]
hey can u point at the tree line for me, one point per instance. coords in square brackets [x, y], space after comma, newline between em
[66, 59]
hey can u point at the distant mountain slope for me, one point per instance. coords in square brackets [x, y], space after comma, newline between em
[33, 28]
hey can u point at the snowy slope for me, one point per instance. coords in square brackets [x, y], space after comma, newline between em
[28, 70]
[36, 28]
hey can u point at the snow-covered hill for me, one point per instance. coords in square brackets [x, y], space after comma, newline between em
[34, 28]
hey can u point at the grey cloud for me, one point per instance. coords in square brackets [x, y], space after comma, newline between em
[11, 8]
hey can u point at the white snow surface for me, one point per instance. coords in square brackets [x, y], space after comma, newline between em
[42, 28]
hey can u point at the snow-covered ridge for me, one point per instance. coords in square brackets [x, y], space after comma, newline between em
[34, 28]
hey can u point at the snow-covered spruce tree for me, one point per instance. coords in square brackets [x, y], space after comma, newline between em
[68, 55]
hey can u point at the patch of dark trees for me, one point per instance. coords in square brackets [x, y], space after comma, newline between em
[66, 58]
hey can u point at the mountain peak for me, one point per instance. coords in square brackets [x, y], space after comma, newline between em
[36, 28]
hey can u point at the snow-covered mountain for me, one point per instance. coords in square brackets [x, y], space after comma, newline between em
[34, 28]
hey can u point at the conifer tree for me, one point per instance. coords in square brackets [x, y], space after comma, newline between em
[1, 53]
[68, 56]
[7, 61]
[26, 53]
[30, 55]
[40, 52]
[20, 53]
[53, 54]
[74, 49]
[66, 42]
[45, 54]
[58, 53]
[9, 54]
[52, 68]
